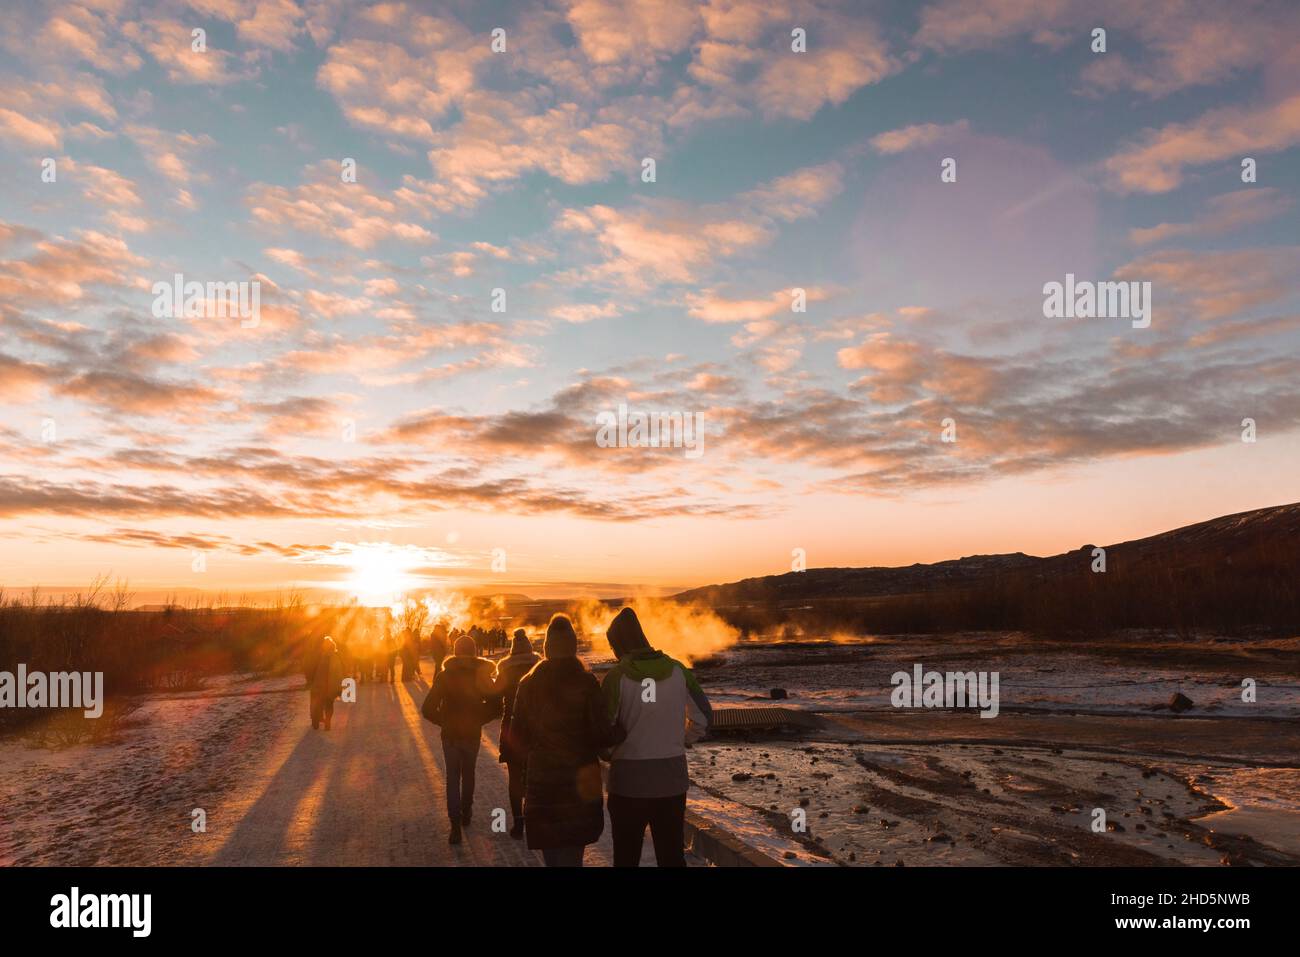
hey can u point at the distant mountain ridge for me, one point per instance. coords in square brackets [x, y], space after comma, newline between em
[1237, 554]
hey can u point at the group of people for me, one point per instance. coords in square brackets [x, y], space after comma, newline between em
[557, 723]
[486, 640]
[377, 659]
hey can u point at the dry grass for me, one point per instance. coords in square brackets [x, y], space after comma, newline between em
[174, 648]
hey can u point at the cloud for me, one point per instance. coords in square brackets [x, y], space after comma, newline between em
[30, 495]
[502, 138]
[101, 187]
[171, 45]
[669, 242]
[59, 34]
[798, 85]
[1179, 43]
[710, 306]
[1218, 284]
[647, 247]
[301, 415]
[258, 482]
[326, 206]
[1190, 44]
[21, 381]
[746, 56]
[641, 32]
[585, 312]
[1225, 213]
[36, 113]
[918, 135]
[796, 195]
[1015, 415]
[403, 72]
[288, 257]
[1156, 161]
[170, 152]
[61, 271]
[587, 111]
[971, 24]
[41, 135]
[1242, 329]
[130, 393]
[371, 358]
[272, 24]
[378, 317]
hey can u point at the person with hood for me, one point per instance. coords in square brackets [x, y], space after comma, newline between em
[326, 684]
[660, 705]
[461, 701]
[510, 670]
[561, 724]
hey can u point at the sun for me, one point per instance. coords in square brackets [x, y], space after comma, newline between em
[379, 573]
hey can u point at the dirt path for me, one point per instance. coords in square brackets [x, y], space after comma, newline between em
[370, 792]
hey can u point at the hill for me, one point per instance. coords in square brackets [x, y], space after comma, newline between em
[1236, 571]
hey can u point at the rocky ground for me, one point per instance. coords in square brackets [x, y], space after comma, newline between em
[1080, 729]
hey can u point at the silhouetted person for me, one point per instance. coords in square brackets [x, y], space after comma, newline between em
[510, 670]
[561, 723]
[648, 779]
[388, 657]
[461, 701]
[438, 646]
[410, 655]
[345, 657]
[326, 684]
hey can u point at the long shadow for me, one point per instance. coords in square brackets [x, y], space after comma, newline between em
[380, 768]
[274, 812]
[491, 779]
[332, 832]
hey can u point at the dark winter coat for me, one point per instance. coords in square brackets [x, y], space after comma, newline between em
[463, 698]
[509, 673]
[561, 723]
[326, 682]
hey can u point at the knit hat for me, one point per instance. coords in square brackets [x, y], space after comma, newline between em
[465, 647]
[521, 645]
[561, 639]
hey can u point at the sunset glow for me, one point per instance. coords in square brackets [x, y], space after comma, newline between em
[379, 573]
[856, 439]
[482, 278]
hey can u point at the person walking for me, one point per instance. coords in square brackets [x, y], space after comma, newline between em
[388, 652]
[561, 724]
[438, 644]
[461, 701]
[326, 684]
[410, 655]
[658, 703]
[510, 670]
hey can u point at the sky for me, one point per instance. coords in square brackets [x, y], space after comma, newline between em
[821, 230]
